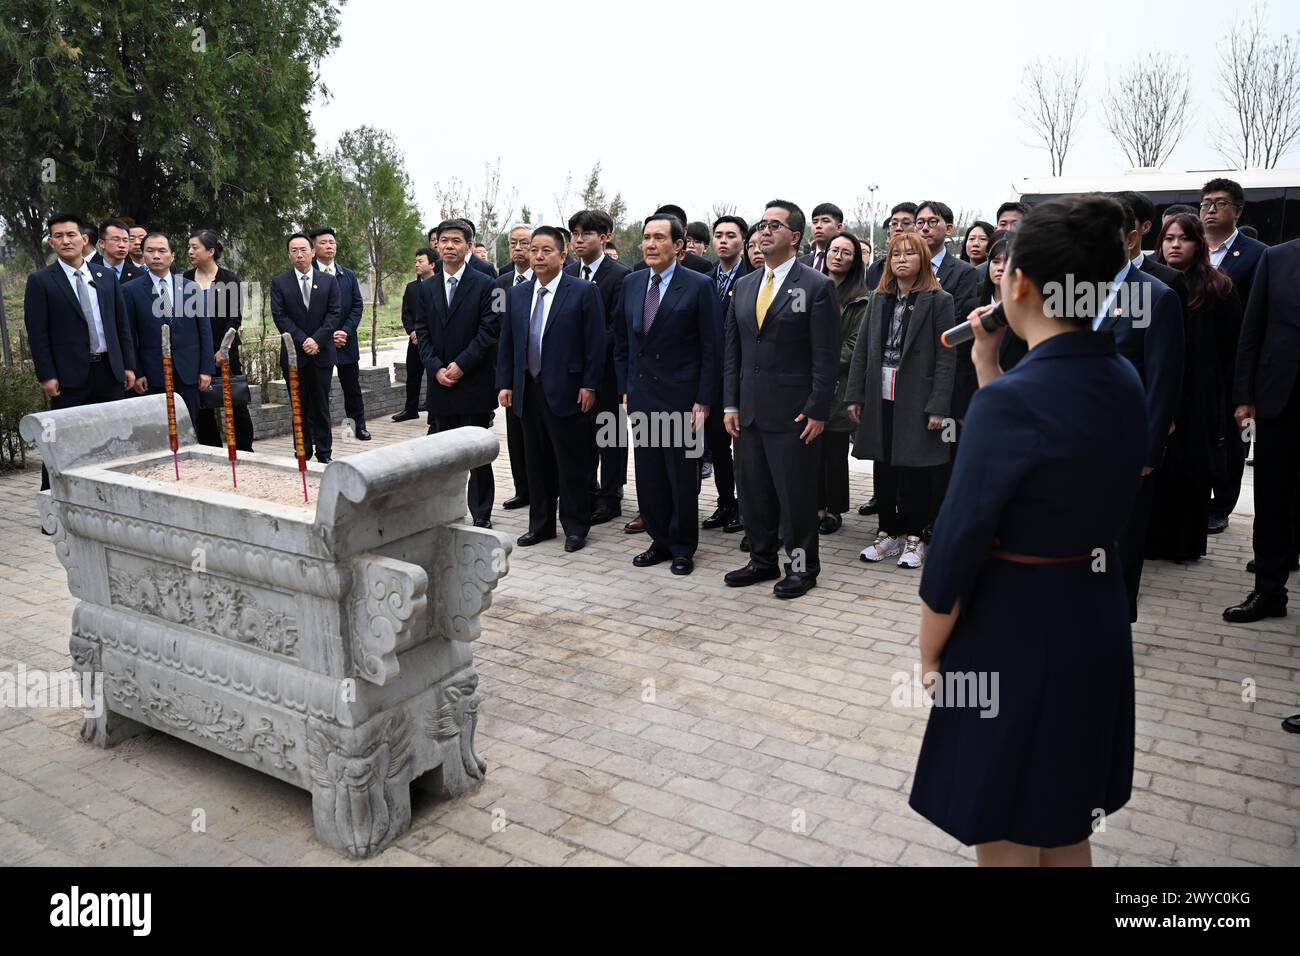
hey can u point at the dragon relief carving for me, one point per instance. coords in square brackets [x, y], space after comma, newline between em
[358, 799]
[205, 603]
[388, 595]
[52, 521]
[205, 719]
[452, 722]
[470, 562]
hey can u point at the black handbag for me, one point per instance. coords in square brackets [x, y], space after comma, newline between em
[212, 396]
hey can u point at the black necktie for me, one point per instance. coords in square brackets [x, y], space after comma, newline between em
[520, 277]
[586, 273]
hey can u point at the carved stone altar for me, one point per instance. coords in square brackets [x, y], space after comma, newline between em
[327, 645]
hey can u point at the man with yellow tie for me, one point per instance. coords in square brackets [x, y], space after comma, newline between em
[781, 360]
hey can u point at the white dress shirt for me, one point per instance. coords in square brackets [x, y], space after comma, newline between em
[457, 275]
[594, 267]
[527, 274]
[71, 273]
[1220, 251]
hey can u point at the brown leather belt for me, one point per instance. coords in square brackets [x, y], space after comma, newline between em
[1039, 558]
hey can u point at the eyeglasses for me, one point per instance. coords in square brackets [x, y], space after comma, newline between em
[773, 225]
[900, 223]
[931, 222]
[1217, 203]
[903, 254]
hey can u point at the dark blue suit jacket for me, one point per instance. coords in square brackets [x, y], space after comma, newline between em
[350, 308]
[679, 362]
[1240, 264]
[573, 344]
[1154, 345]
[1268, 352]
[192, 345]
[466, 334]
[57, 332]
[318, 323]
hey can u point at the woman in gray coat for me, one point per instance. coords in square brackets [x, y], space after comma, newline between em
[900, 393]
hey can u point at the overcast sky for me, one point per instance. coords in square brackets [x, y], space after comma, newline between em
[701, 102]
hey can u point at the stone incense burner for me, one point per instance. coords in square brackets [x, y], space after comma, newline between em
[328, 645]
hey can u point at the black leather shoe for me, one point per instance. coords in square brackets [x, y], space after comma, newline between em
[1256, 607]
[744, 543]
[869, 508]
[682, 566]
[719, 519]
[1292, 724]
[424, 408]
[530, 538]
[324, 459]
[635, 526]
[1216, 525]
[794, 585]
[405, 416]
[734, 525]
[510, 504]
[603, 515]
[574, 543]
[830, 524]
[648, 559]
[485, 523]
[363, 435]
[1295, 565]
[750, 574]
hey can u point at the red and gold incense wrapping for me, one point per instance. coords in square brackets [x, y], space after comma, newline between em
[171, 397]
[226, 341]
[295, 404]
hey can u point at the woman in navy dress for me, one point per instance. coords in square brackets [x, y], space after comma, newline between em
[1023, 590]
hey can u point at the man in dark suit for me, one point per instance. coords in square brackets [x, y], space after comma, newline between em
[77, 327]
[114, 251]
[729, 243]
[590, 229]
[827, 220]
[137, 232]
[457, 328]
[475, 263]
[782, 360]
[518, 272]
[690, 260]
[159, 298]
[347, 354]
[958, 279]
[1237, 254]
[1146, 319]
[668, 349]
[1266, 390]
[551, 360]
[305, 303]
[424, 268]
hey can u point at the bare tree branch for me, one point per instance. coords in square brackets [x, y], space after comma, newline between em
[1259, 79]
[1146, 109]
[1049, 104]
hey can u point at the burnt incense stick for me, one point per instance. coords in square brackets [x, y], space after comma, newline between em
[295, 404]
[226, 341]
[171, 397]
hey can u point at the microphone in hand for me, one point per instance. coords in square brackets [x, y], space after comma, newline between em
[992, 320]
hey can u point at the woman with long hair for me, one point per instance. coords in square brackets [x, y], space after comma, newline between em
[900, 392]
[1180, 511]
[222, 307]
[1023, 598]
[844, 266]
[975, 245]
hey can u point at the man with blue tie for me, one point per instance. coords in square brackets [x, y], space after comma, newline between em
[305, 303]
[729, 243]
[77, 327]
[159, 298]
[667, 352]
[115, 251]
[551, 358]
[347, 357]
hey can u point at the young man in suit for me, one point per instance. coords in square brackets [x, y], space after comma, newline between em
[424, 268]
[158, 298]
[347, 356]
[114, 251]
[305, 303]
[697, 238]
[1010, 216]
[518, 272]
[1237, 254]
[902, 218]
[729, 243]
[551, 360]
[667, 352]
[457, 328]
[590, 229]
[1266, 390]
[827, 220]
[137, 234]
[77, 327]
[782, 360]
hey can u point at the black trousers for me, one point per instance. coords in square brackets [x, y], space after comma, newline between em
[314, 386]
[350, 383]
[482, 486]
[561, 454]
[206, 428]
[414, 377]
[611, 456]
[1277, 463]
[1133, 542]
[718, 443]
[668, 496]
[776, 474]
[1227, 483]
[833, 489]
[518, 459]
[905, 496]
[100, 386]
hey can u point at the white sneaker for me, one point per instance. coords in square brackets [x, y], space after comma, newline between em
[913, 553]
[883, 547]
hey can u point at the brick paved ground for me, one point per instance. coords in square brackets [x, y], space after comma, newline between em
[634, 717]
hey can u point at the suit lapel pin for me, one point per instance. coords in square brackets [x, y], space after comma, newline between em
[1119, 310]
[1237, 252]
